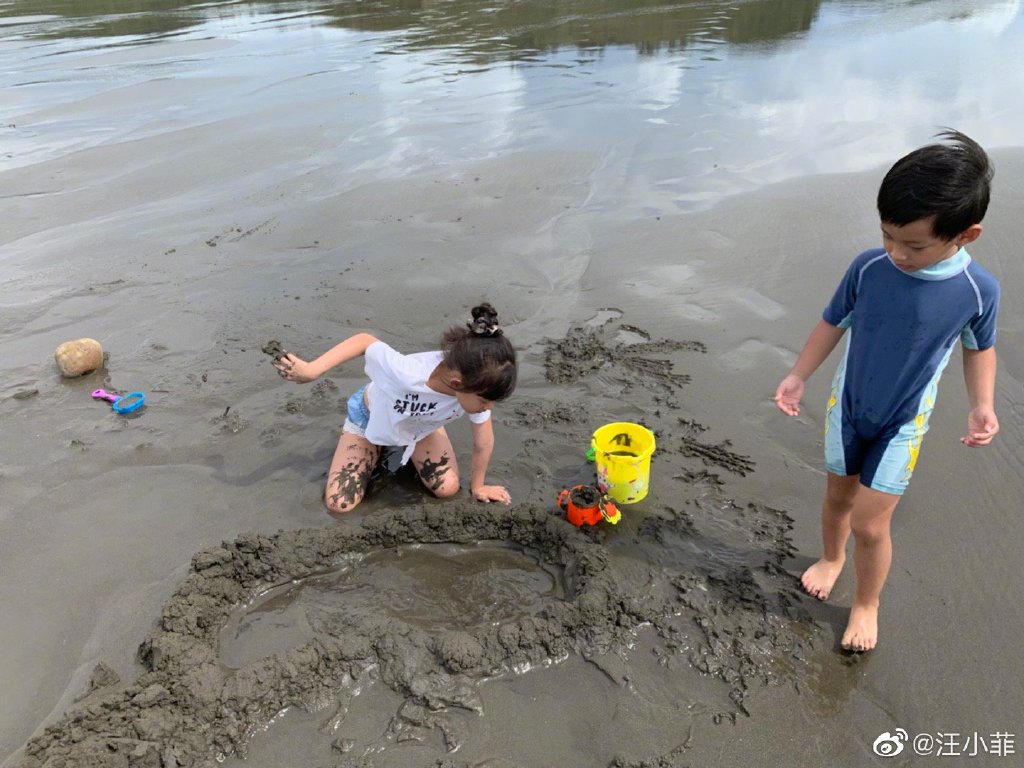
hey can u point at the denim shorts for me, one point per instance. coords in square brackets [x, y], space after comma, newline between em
[358, 416]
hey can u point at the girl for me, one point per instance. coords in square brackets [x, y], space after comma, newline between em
[409, 400]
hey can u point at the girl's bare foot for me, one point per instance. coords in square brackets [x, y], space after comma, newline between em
[862, 630]
[819, 578]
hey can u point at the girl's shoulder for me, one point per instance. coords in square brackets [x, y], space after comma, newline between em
[385, 362]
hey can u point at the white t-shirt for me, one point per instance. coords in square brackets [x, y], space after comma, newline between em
[403, 409]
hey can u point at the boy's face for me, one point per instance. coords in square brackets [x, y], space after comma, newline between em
[915, 246]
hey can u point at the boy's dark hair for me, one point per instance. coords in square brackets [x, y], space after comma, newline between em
[484, 358]
[949, 181]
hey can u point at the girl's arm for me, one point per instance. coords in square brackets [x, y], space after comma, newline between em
[819, 345]
[483, 447]
[980, 378]
[295, 369]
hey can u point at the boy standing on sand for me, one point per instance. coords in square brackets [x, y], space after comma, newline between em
[905, 305]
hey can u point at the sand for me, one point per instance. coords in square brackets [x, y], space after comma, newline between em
[676, 638]
[723, 602]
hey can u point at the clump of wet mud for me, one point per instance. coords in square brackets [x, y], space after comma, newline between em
[322, 398]
[736, 613]
[102, 677]
[230, 422]
[585, 496]
[534, 414]
[673, 759]
[713, 454]
[274, 349]
[585, 350]
[187, 708]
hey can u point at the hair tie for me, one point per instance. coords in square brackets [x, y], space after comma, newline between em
[481, 327]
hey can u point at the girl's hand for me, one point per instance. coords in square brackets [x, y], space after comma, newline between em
[294, 369]
[788, 394]
[982, 426]
[492, 493]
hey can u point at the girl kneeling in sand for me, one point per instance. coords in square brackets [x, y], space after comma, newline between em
[408, 401]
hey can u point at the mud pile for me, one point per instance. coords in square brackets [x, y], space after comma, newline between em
[187, 708]
[628, 351]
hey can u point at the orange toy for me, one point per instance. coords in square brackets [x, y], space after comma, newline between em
[586, 504]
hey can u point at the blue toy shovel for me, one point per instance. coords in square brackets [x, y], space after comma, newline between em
[122, 403]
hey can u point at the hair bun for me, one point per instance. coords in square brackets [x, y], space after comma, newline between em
[485, 321]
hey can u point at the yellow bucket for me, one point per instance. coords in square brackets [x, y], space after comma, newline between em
[622, 452]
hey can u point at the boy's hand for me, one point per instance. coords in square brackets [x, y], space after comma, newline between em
[293, 368]
[492, 493]
[788, 394]
[982, 426]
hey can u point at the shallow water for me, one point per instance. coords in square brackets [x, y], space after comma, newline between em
[435, 587]
[184, 181]
[685, 102]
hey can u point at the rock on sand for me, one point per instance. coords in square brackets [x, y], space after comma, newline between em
[77, 357]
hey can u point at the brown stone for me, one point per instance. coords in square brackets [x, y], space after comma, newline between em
[75, 358]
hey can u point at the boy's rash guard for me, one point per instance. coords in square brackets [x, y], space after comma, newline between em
[902, 329]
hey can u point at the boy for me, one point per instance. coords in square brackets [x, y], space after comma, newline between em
[905, 305]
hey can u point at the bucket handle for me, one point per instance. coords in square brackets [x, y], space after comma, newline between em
[592, 451]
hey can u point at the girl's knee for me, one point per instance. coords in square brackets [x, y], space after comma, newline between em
[443, 485]
[446, 486]
[346, 486]
[343, 493]
[440, 477]
[339, 505]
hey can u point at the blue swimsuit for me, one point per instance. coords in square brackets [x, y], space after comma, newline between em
[902, 329]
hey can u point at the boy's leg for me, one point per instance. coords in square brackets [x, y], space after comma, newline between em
[872, 555]
[836, 508]
[354, 460]
[434, 459]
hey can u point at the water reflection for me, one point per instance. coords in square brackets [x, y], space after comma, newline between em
[505, 31]
[53, 19]
[536, 27]
[681, 103]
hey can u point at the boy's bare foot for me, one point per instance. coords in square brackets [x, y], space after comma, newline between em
[819, 578]
[862, 630]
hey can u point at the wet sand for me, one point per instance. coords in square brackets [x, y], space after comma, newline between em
[702, 650]
[185, 242]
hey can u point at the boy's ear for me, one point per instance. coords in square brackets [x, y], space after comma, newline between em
[455, 383]
[969, 235]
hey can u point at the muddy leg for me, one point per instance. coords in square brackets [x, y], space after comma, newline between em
[353, 461]
[434, 459]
